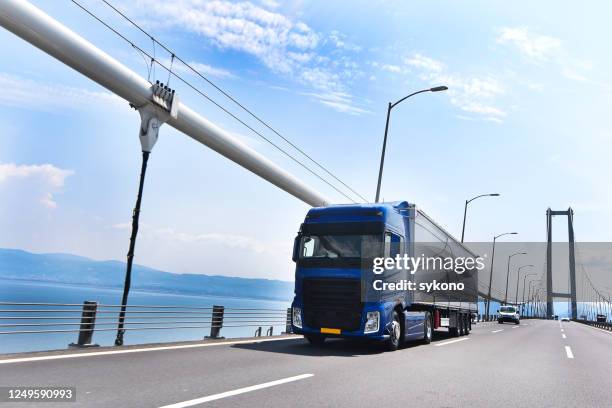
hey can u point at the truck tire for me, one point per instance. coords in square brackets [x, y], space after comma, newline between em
[427, 329]
[454, 331]
[468, 324]
[461, 324]
[395, 335]
[314, 339]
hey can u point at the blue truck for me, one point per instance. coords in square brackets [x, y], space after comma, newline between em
[332, 279]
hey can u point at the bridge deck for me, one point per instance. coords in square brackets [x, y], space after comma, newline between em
[496, 365]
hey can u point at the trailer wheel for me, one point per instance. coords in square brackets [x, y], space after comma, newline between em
[314, 339]
[461, 324]
[454, 331]
[395, 334]
[468, 324]
[427, 329]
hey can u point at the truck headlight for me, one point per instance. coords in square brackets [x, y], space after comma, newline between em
[297, 317]
[372, 322]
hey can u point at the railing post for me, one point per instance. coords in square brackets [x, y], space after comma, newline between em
[88, 322]
[270, 331]
[216, 322]
[288, 328]
[258, 332]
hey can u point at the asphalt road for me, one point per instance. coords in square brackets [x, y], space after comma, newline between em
[496, 365]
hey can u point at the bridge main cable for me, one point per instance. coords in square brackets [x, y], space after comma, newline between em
[44, 32]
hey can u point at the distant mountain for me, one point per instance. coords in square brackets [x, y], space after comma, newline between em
[67, 268]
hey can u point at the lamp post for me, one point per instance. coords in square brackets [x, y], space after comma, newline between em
[529, 299]
[523, 297]
[391, 106]
[465, 209]
[508, 273]
[538, 303]
[518, 278]
[491, 275]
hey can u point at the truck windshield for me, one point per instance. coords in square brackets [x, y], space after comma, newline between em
[351, 248]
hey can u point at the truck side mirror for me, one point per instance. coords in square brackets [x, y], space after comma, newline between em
[296, 248]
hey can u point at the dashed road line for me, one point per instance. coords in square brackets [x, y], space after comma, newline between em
[451, 342]
[497, 331]
[568, 351]
[238, 391]
[564, 336]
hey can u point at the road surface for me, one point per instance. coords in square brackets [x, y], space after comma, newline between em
[536, 364]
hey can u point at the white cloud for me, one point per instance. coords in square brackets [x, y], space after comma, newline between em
[271, 4]
[425, 63]
[340, 41]
[391, 68]
[242, 26]
[534, 46]
[46, 96]
[541, 48]
[47, 179]
[284, 45]
[202, 68]
[233, 241]
[340, 101]
[471, 94]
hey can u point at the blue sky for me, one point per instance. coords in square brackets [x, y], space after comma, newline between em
[525, 116]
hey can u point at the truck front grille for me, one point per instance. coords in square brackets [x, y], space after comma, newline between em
[333, 303]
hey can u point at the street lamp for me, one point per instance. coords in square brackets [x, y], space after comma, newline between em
[529, 299]
[492, 260]
[391, 106]
[523, 297]
[508, 273]
[465, 210]
[518, 278]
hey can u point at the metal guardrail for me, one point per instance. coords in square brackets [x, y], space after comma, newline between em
[90, 317]
[601, 325]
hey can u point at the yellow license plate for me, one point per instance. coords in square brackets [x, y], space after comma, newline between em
[330, 331]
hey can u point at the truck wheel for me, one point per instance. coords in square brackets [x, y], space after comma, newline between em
[314, 339]
[454, 331]
[461, 324]
[427, 329]
[396, 333]
[467, 324]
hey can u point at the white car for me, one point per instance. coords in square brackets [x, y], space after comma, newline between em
[565, 319]
[508, 314]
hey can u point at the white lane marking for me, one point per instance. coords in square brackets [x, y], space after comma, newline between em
[497, 331]
[238, 391]
[568, 351]
[562, 330]
[451, 342]
[515, 327]
[136, 350]
[564, 336]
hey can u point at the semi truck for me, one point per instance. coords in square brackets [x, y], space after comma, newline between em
[333, 277]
